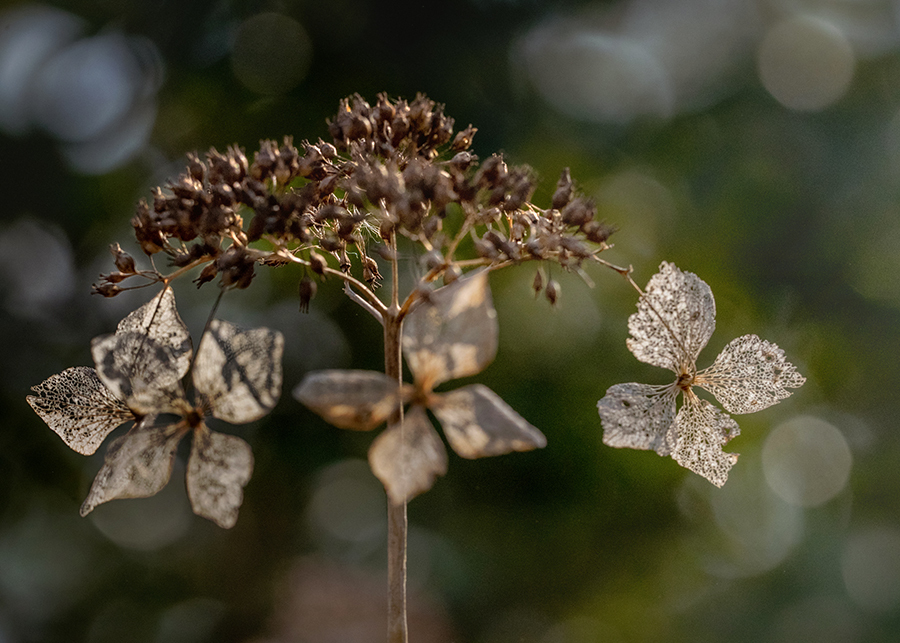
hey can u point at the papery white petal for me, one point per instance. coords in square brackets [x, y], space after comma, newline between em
[702, 430]
[139, 371]
[639, 416]
[453, 333]
[79, 408]
[137, 465]
[159, 320]
[238, 371]
[750, 374]
[407, 458]
[218, 469]
[478, 423]
[676, 317]
[350, 399]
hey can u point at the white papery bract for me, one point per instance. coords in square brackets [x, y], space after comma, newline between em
[674, 321]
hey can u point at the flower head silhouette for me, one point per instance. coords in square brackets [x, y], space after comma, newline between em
[236, 377]
[674, 321]
[451, 334]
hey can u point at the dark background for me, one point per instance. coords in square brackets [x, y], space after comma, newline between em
[752, 143]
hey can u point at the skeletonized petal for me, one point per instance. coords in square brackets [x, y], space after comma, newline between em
[676, 317]
[137, 465]
[409, 457]
[160, 321]
[639, 416]
[79, 408]
[350, 399]
[750, 374]
[702, 432]
[453, 333]
[139, 371]
[238, 371]
[478, 423]
[219, 467]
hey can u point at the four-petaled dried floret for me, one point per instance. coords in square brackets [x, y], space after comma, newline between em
[451, 334]
[236, 375]
[675, 319]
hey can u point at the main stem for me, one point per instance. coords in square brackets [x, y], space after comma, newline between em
[397, 523]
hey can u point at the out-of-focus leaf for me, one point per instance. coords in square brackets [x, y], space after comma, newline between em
[137, 465]
[79, 408]
[639, 416]
[478, 423]
[676, 317]
[139, 371]
[409, 457]
[453, 333]
[238, 371]
[219, 467]
[750, 374]
[350, 399]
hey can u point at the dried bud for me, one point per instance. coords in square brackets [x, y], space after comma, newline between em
[578, 212]
[552, 291]
[451, 274]
[124, 262]
[208, 273]
[370, 272]
[463, 139]
[597, 231]
[538, 284]
[307, 291]
[564, 189]
[106, 289]
[317, 263]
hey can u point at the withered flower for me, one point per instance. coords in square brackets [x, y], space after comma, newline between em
[236, 378]
[451, 334]
[675, 319]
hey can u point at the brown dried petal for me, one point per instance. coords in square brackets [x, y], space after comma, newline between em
[218, 469]
[159, 320]
[79, 408]
[639, 416]
[409, 457]
[238, 371]
[137, 465]
[138, 371]
[478, 423]
[454, 333]
[702, 431]
[350, 399]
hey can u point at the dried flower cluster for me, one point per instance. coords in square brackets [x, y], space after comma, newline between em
[394, 169]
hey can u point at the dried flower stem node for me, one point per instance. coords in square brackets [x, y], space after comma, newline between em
[673, 323]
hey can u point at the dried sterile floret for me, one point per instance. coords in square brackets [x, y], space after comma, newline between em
[676, 317]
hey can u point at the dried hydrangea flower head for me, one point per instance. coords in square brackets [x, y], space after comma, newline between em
[674, 321]
[451, 334]
[236, 377]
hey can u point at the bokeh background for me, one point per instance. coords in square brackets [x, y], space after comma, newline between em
[754, 143]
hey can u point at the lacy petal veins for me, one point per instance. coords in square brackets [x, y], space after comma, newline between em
[452, 334]
[236, 376]
[674, 321]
